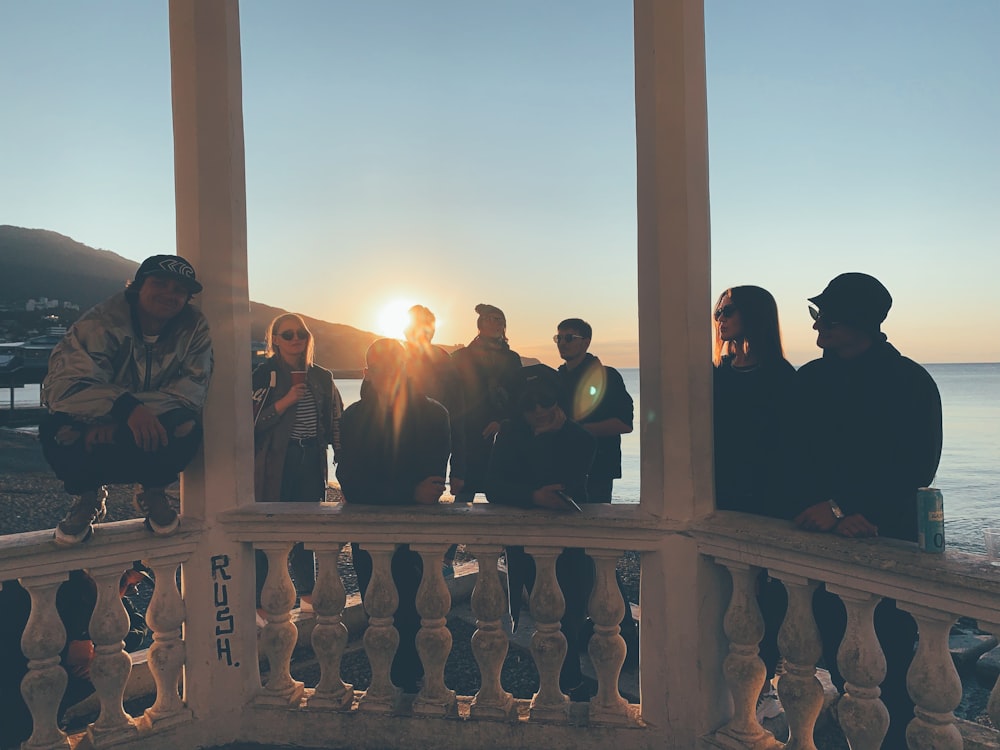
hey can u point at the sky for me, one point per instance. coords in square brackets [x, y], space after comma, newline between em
[449, 152]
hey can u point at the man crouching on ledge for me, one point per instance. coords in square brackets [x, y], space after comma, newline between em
[125, 390]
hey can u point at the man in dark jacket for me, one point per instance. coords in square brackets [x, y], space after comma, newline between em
[125, 389]
[872, 419]
[394, 451]
[539, 460]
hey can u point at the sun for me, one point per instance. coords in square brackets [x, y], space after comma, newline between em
[393, 318]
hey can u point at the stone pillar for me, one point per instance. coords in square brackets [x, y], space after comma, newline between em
[607, 648]
[42, 641]
[221, 673]
[381, 637]
[863, 717]
[165, 617]
[329, 636]
[548, 644]
[489, 642]
[933, 683]
[675, 357]
[800, 692]
[110, 669]
[434, 638]
[744, 670]
[279, 636]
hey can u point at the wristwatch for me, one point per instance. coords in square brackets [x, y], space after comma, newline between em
[835, 509]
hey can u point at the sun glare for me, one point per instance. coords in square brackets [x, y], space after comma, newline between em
[393, 318]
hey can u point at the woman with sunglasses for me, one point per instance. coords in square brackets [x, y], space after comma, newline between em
[754, 388]
[297, 411]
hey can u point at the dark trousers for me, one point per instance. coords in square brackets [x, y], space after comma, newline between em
[301, 481]
[407, 570]
[773, 602]
[897, 633]
[119, 462]
[575, 573]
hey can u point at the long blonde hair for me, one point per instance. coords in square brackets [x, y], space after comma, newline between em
[273, 331]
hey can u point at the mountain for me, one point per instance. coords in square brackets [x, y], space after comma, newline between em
[40, 263]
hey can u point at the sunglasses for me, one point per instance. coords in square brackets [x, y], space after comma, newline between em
[817, 316]
[566, 338]
[528, 403]
[301, 334]
[725, 312]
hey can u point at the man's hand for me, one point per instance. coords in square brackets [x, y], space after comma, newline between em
[429, 491]
[491, 430]
[79, 654]
[99, 434]
[818, 517]
[149, 434]
[548, 497]
[856, 526]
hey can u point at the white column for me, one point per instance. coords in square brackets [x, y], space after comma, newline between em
[548, 644]
[800, 692]
[675, 357]
[111, 666]
[607, 648]
[381, 637]
[329, 636]
[433, 638]
[221, 673]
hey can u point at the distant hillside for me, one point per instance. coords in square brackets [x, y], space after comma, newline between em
[40, 263]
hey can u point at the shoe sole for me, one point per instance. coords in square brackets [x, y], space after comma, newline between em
[62, 539]
[157, 529]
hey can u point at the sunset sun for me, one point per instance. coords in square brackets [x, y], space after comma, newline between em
[393, 318]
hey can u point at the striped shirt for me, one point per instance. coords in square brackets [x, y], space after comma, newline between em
[306, 418]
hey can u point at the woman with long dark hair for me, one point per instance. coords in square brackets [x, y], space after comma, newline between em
[297, 411]
[754, 387]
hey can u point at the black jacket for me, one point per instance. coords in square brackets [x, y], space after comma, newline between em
[386, 451]
[871, 435]
[522, 462]
[754, 438]
[596, 393]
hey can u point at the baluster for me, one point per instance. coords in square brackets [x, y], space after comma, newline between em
[548, 644]
[607, 647]
[801, 694]
[745, 672]
[434, 638]
[489, 642]
[165, 617]
[42, 641]
[381, 637]
[279, 637]
[329, 636]
[110, 669]
[863, 717]
[993, 706]
[933, 683]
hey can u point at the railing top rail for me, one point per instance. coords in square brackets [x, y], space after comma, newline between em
[608, 526]
[34, 553]
[957, 581]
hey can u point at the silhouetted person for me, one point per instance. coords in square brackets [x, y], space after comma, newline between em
[125, 390]
[873, 421]
[395, 447]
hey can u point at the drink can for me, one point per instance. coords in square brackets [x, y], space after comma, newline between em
[930, 519]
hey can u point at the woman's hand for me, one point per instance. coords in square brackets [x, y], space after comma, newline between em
[291, 398]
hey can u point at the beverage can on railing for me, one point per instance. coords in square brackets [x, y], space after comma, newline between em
[930, 519]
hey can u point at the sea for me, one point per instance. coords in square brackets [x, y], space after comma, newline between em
[968, 475]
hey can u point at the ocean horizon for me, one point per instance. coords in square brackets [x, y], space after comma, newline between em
[968, 476]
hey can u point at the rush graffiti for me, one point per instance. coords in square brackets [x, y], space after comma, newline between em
[225, 624]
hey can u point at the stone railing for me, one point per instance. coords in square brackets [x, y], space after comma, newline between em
[936, 589]
[41, 568]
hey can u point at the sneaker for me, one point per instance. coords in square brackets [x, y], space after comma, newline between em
[78, 524]
[161, 519]
[768, 705]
